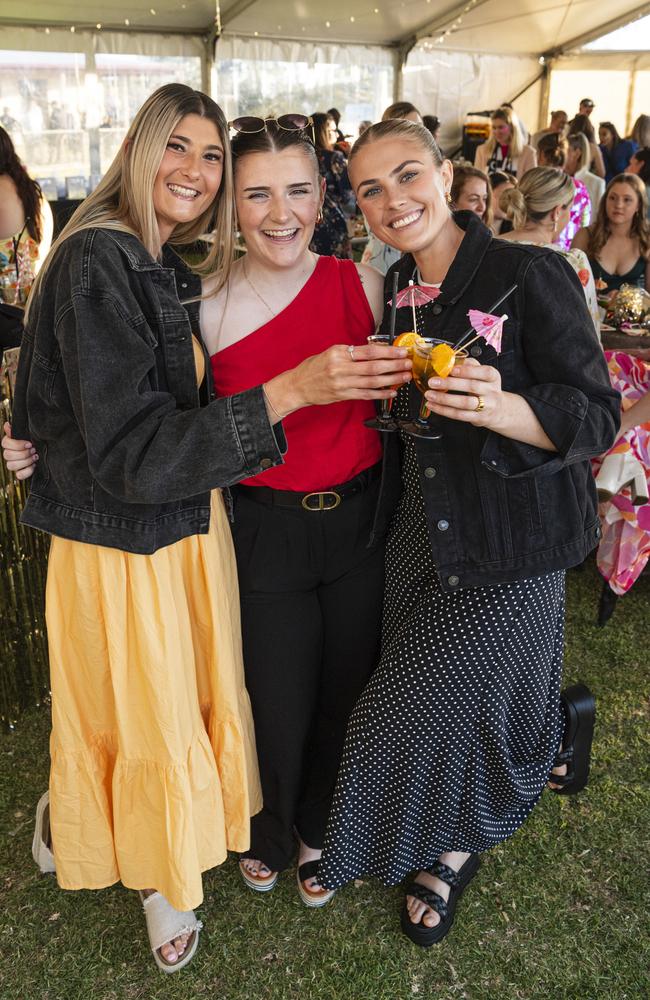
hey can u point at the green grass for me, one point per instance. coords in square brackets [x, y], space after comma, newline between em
[560, 912]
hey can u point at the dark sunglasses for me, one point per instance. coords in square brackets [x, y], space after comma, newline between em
[290, 123]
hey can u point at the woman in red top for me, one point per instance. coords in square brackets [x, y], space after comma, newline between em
[310, 582]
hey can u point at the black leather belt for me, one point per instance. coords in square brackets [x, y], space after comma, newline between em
[322, 500]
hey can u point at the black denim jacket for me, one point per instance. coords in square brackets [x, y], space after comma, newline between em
[107, 391]
[497, 509]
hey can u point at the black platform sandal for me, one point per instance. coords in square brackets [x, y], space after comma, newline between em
[579, 707]
[457, 881]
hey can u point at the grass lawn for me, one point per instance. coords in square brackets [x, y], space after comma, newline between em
[560, 912]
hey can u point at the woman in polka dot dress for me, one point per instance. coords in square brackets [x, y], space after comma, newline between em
[453, 740]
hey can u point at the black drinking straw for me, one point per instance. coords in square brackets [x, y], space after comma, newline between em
[494, 306]
[393, 309]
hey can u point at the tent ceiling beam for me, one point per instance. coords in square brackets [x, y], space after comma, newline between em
[132, 29]
[602, 29]
[312, 39]
[235, 10]
[437, 23]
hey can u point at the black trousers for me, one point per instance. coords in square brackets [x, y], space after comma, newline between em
[311, 596]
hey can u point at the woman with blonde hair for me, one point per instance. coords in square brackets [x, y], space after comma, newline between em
[153, 772]
[539, 208]
[378, 254]
[471, 190]
[641, 132]
[552, 152]
[456, 735]
[582, 124]
[576, 164]
[402, 109]
[617, 243]
[505, 149]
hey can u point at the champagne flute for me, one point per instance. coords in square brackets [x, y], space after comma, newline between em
[384, 422]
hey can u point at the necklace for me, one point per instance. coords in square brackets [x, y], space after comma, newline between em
[419, 309]
[255, 291]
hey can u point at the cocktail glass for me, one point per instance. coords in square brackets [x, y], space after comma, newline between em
[424, 368]
[384, 422]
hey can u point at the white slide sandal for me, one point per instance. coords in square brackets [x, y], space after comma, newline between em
[41, 850]
[164, 924]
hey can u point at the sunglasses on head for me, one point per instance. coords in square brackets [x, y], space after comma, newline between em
[290, 123]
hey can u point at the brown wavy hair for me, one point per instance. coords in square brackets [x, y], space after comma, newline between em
[28, 191]
[552, 150]
[462, 173]
[599, 231]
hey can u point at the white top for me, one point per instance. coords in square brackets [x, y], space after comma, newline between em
[595, 186]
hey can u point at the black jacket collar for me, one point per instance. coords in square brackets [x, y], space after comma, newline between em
[466, 262]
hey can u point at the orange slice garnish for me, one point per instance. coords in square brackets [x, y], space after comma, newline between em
[442, 359]
[409, 339]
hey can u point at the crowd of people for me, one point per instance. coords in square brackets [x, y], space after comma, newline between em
[273, 629]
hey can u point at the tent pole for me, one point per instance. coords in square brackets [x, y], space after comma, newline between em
[400, 57]
[207, 62]
[545, 95]
[631, 87]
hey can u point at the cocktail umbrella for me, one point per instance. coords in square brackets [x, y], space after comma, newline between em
[488, 326]
[462, 342]
[415, 295]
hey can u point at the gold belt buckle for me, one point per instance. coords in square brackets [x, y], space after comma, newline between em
[321, 504]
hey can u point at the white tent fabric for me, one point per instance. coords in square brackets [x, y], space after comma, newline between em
[450, 84]
[284, 50]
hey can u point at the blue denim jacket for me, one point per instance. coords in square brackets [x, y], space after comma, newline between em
[497, 509]
[129, 447]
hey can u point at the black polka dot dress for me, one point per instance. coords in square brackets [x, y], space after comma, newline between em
[452, 741]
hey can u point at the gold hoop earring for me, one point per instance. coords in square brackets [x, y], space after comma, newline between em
[319, 217]
[448, 197]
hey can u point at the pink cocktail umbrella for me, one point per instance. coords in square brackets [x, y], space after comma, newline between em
[415, 295]
[488, 326]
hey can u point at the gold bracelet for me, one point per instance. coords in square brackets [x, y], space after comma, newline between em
[269, 403]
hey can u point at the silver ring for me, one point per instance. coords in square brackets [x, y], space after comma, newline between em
[351, 351]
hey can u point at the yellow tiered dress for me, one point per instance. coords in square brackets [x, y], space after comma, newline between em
[153, 766]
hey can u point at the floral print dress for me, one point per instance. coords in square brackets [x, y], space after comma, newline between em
[625, 544]
[331, 235]
[580, 215]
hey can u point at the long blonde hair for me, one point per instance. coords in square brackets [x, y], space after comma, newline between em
[515, 144]
[599, 231]
[538, 193]
[123, 199]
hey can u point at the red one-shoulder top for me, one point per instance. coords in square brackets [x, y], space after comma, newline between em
[327, 445]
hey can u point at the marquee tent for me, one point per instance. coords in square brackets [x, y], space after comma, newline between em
[448, 58]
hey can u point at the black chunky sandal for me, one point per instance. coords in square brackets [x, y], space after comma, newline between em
[457, 881]
[579, 707]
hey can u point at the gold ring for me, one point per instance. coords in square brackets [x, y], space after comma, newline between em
[351, 351]
[480, 403]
